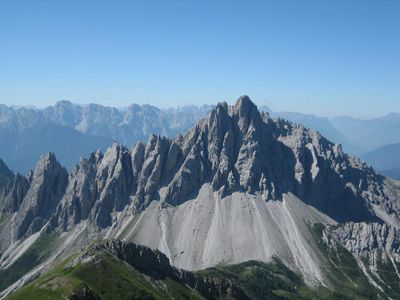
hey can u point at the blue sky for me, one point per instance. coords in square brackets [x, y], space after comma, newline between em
[322, 57]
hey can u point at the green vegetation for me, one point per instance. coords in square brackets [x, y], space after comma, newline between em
[260, 280]
[387, 273]
[104, 277]
[343, 271]
[36, 254]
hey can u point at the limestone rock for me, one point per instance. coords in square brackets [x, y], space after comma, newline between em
[47, 186]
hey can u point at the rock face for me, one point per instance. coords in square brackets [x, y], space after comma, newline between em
[46, 186]
[237, 186]
[15, 193]
[361, 238]
[238, 149]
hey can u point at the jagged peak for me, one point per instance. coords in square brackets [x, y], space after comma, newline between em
[246, 112]
[222, 105]
[63, 103]
[48, 159]
[46, 163]
[243, 106]
[116, 147]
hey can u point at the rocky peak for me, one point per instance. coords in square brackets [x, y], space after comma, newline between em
[46, 163]
[47, 186]
[235, 150]
[246, 113]
[244, 108]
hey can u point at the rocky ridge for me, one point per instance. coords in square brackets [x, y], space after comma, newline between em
[156, 265]
[236, 149]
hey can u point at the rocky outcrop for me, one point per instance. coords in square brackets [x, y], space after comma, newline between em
[97, 187]
[365, 238]
[47, 186]
[156, 265]
[14, 194]
[376, 249]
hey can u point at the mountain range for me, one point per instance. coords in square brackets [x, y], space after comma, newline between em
[71, 131]
[239, 194]
[386, 159]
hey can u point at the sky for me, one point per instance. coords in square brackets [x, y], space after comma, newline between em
[326, 57]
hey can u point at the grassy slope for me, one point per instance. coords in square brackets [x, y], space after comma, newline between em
[260, 280]
[106, 278]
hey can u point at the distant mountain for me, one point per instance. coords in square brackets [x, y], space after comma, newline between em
[71, 131]
[237, 188]
[393, 173]
[129, 125]
[386, 159]
[23, 145]
[321, 124]
[372, 133]
[354, 134]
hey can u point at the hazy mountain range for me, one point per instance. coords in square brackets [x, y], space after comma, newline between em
[386, 159]
[240, 206]
[71, 130]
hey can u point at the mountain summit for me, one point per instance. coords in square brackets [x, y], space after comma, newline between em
[238, 186]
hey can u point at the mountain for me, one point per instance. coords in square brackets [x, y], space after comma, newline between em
[384, 130]
[129, 125]
[23, 146]
[239, 186]
[71, 131]
[25, 135]
[323, 126]
[354, 134]
[386, 159]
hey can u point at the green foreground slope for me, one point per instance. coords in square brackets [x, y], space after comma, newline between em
[104, 278]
